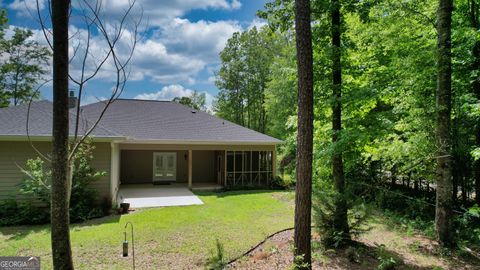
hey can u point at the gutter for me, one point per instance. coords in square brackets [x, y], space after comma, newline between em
[48, 138]
[194, 142]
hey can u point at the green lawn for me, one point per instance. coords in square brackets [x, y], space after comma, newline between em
[165, 238]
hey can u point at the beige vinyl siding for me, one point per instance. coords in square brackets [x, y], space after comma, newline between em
[101, 162]
[18, 152]
[12, 155]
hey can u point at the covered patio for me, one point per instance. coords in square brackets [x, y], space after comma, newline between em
[149, 195]
[172, 171]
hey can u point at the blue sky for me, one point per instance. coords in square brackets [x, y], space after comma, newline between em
[178, 51]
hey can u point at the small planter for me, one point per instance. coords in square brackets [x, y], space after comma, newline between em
[125, 207]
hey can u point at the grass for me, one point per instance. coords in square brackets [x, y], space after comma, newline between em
[165, 238]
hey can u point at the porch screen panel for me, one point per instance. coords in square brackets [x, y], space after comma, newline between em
[249, 168]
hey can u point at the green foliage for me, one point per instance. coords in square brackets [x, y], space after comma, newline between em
[24, 212]
[298, 263]
[84, 203]
[389, 80]
[217, 260]
[37, 183]
[385, 258]
[83, 200]
[25, 63]
[196, 101]
[352, 254]
[324, 205]
[468, 227]
[243, 77]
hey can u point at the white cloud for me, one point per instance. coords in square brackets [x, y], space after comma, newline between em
[91, 99]
[211, 79]
[175, 50]
[159, 12]
[26, 7]
[236, 4]
[176, 54]
[258, 23]
[202, 39]
[169, 92]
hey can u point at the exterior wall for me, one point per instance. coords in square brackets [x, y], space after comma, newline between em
[136, 166]
[14, 154]
[11, 155]
[101, 162]
[203, 166]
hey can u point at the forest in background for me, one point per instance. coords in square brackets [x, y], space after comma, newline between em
[387, 138]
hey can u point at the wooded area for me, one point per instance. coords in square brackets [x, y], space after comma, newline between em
[396, 105]
[378, 102]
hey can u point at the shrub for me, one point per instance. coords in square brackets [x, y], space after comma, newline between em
[386, 260]
[217, 260]
[280, 183]
[13, 212]
[37, 185]
[298, 263]
[468, 227]
[324, 206]
[83, 200]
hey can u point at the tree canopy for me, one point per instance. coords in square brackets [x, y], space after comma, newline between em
[388, 97]
[24, 64]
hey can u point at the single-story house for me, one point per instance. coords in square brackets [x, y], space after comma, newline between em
[143, 141]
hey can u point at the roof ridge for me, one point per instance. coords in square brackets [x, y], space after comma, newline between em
[128, 99]
[223, 120]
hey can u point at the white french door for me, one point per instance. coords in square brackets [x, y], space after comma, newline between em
[164, 166]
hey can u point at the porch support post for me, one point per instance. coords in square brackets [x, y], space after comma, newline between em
[190, 169]
[114, 171]
[274, 162]
[225, 168]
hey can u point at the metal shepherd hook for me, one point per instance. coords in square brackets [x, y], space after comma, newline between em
[125, 244]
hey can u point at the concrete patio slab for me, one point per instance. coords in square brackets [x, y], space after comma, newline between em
[148, 195]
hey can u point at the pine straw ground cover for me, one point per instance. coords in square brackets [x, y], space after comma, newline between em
[165, 238]
[380, 248]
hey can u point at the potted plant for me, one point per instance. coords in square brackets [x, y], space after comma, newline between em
[124, 207]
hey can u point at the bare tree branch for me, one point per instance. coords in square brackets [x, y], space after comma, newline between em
[28, 121]
[119, 64]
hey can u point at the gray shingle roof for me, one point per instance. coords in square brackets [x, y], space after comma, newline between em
[170, 121]
[13, 121]
[143, 120]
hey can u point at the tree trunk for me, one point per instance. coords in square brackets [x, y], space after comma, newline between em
[61, 250]
[464, 190]
[476, 90]
[303, 195]
[340, 218]
[443, 212]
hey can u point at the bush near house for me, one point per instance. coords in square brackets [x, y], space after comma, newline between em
[84, 203]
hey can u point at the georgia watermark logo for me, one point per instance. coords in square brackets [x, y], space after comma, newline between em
[19, 263]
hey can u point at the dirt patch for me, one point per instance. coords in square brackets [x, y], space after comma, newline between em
[386, 248]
